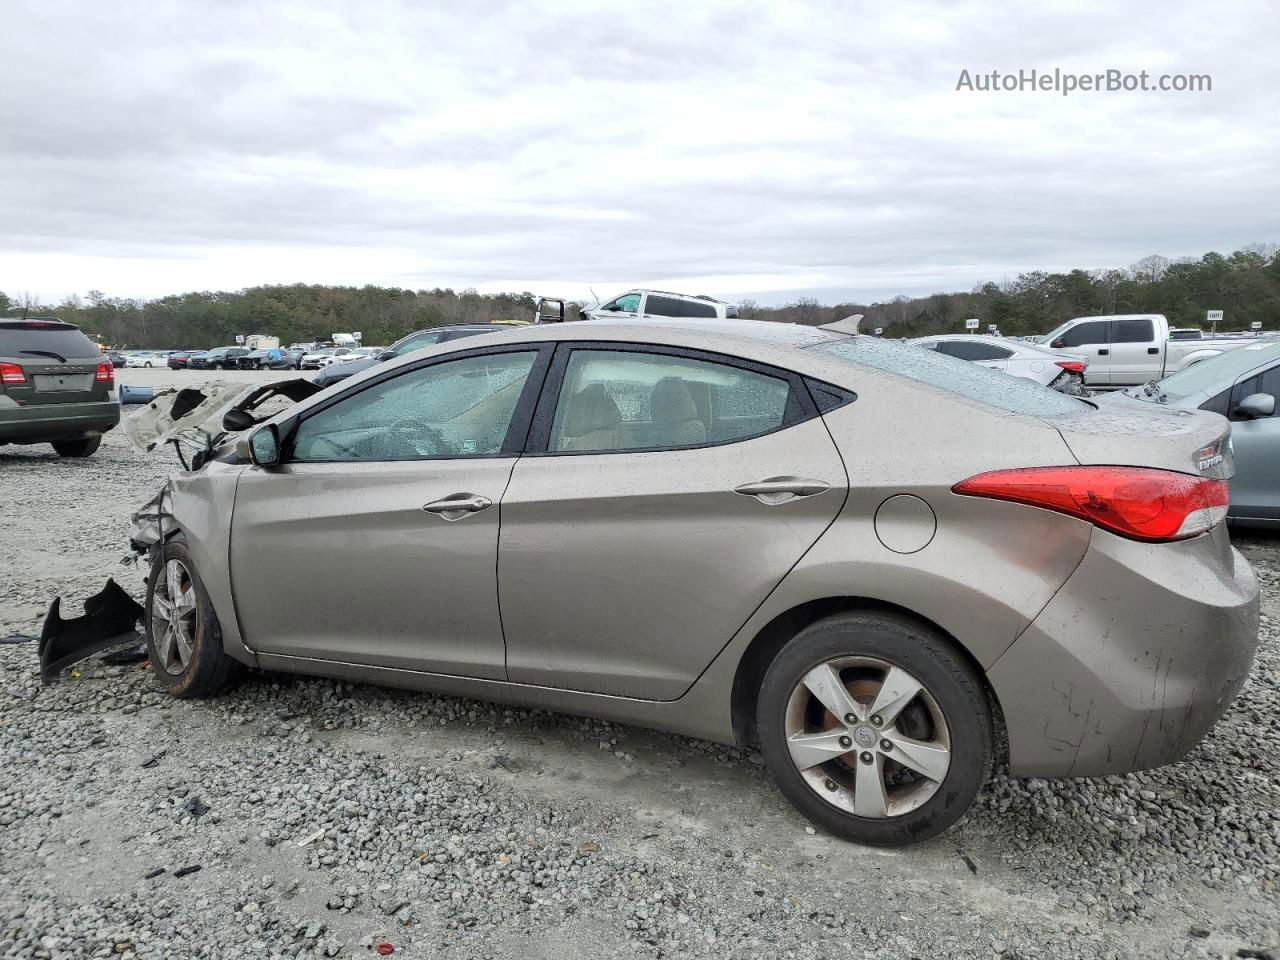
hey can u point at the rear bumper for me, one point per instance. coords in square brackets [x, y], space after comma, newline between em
[39, 423]
[1133, 660]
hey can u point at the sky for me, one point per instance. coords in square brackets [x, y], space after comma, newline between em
[764, 151]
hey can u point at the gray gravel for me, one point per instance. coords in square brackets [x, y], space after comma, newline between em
[327, 817]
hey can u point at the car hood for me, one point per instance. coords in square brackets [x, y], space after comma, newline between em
[1130, 432]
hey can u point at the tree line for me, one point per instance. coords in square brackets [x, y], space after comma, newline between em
[1245, 285]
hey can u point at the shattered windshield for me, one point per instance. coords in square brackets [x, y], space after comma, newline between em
[969, 380]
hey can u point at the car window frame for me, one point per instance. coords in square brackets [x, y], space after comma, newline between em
[1105, 342]
[539, 437]
[1233, 401]
[513, 443]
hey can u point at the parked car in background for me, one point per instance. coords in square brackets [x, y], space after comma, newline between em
[286, 358]
[1243, 386]
[1129, 349]
[147, 358]
[415, 341]
[792, 571]
[637, 304]
[1017, 358]
[179, 359]
[55, 386]
[117, 359]
[317, 359]
[219, 358]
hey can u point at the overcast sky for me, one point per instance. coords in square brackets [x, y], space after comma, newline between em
[765, 150]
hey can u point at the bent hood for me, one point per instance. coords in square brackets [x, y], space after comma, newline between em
[195, 415]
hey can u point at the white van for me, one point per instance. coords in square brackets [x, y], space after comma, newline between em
[638, 304]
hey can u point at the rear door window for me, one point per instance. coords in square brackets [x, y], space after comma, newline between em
[660, 306]
[28, 340]
[1132, 331]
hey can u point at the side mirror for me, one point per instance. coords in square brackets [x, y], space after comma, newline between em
[233, 421]
[1256, 405]
[386, 355]
[1059, 343]
[264, 446]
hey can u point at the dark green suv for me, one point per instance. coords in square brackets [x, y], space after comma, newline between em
[55, 386]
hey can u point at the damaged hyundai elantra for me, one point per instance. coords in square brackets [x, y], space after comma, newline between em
[880, 564]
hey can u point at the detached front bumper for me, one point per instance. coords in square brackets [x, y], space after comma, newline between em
[1133, 660]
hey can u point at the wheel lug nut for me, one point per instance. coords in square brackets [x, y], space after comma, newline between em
[849, 718]
[886, 746]
[846, 742]
[866, 756]
[830, 784]
[877, 721]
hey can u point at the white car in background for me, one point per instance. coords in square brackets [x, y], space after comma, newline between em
[1061, 371]
[641, 304]
[147, 358]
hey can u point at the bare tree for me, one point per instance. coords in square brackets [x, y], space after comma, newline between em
[807, 311]
[1150, 269]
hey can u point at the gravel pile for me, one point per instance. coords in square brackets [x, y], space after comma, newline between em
[328, 818]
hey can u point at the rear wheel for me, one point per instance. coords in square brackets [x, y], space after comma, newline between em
[875, 728]
[183, 637]
[83, 447]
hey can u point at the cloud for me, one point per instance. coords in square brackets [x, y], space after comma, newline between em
[770, 152]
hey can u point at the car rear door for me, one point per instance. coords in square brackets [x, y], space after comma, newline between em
[664, 494]
[376, 541]
[1135, 354]
[1090, 340]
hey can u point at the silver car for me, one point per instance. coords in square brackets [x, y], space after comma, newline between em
[859, 554]
[1018, 358]
[1242, 385]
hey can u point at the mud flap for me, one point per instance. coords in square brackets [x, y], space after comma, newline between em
[109, 621]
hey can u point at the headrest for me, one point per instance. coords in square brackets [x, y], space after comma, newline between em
[672, 402]
[591, 409]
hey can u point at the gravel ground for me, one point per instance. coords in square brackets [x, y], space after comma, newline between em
[328, 818]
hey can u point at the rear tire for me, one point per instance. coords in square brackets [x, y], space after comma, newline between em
[84, 447]
[184, 640]
[909, 744]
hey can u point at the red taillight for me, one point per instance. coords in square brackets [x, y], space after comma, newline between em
[1136, 502]
[105, 373]
[1074, 366]
[12, 373]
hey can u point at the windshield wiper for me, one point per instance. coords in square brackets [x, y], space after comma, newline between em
[45, 353]
[1153, 389]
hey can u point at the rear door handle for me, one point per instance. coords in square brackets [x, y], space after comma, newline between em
[1103, 352]
[458, 505]
[1153, 350]
[778, 490]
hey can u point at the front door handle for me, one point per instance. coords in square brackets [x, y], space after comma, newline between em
[1103, 352]
[778, 490]
[458, 505]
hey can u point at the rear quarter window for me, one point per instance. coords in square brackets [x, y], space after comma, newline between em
[973, 382]
[69, 342]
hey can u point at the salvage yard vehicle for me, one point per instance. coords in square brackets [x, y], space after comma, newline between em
[320, 358]
[1124, 350]
[1242, 385]
[1058, 371]
[640, 304]
[55, 386]
[219, 358]
[417, 340]
[719, 529]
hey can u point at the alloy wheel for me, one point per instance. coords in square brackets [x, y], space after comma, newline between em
[867, 737]
[173, 617]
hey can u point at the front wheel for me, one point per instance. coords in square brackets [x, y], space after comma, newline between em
[875, 728]
[184, 640]
[84, 447]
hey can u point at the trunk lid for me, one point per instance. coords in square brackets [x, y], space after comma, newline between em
[1169, 438]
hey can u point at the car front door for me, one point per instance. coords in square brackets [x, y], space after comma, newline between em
[1135, 355]
[664, 494]
[625, 306]
[1255, 442]
[1091, 341]
[375, 541]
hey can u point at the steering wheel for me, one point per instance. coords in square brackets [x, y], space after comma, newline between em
[424, 440]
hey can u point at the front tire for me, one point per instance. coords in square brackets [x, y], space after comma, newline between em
[84, 447]
[184, 640]
[875, 728]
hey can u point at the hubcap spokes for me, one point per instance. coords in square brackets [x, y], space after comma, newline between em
[845, 732]
[173, 617]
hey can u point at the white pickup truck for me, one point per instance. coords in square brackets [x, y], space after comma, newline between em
[1124, 350]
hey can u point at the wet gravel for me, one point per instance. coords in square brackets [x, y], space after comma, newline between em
[328, 818]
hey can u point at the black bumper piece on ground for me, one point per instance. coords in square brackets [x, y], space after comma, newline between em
[109, 620]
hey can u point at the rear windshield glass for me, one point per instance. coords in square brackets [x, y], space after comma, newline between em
[66, 342]
[990, 387]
